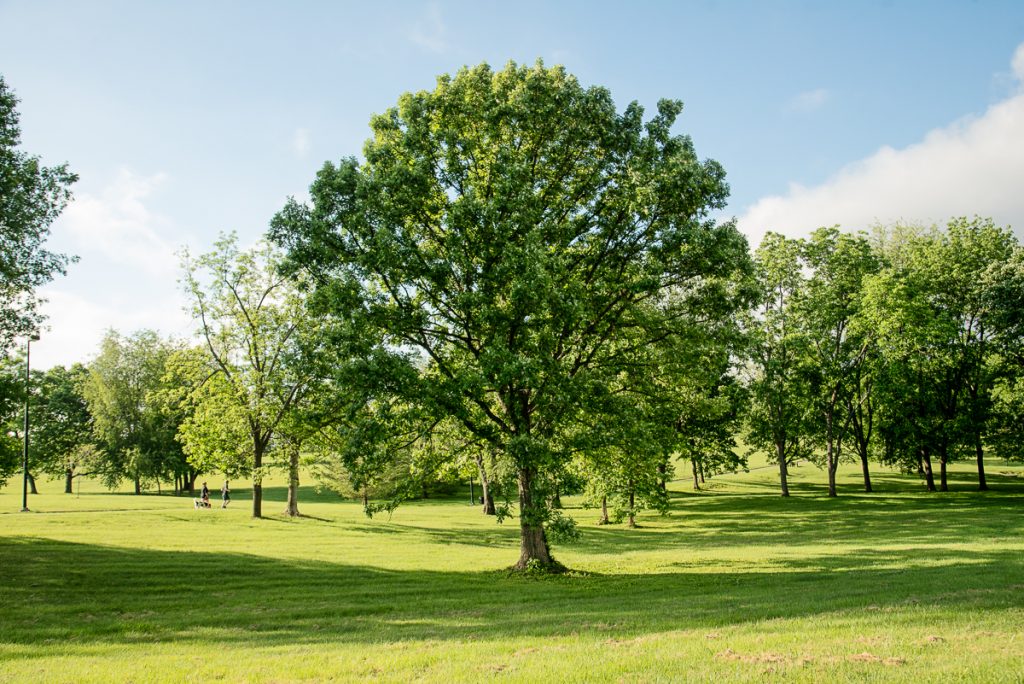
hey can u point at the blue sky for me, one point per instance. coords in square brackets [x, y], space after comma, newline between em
[186, 119]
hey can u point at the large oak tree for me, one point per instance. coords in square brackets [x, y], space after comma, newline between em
[512, 231]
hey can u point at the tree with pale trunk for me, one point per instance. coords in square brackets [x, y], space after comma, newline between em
[255, 333]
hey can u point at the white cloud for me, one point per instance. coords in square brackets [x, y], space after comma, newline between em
[127, 276]
[77, 321]
[973, 166]
[1018, 63]
[300, 142]
[430, 31]
[117, 225]
[808, 101]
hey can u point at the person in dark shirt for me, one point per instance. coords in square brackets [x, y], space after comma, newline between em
[225, 495]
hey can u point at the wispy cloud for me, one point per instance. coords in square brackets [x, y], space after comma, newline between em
[808, 101]
[973, 166]
[127, 275]
[77, 321]
[300, 142]
[117, 224]
[430, 32]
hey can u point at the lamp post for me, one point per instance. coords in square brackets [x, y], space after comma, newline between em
[24, 459]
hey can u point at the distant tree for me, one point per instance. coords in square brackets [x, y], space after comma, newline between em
[836, 264]
[1004, 292]
[508, 227]
[12, 405]
[707, 429]
[31, 197]
[779, 416]
[914, 386]
[959, 267]
[946, 340]
[254, 327]
[135, 438]
[62, 424]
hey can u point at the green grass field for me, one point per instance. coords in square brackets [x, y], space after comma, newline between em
[737, 584]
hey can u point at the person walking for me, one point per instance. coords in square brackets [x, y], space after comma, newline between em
[225, 495]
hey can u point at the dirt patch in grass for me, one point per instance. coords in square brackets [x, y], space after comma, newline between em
[758, 658]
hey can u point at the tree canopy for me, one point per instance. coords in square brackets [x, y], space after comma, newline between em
[509, 242]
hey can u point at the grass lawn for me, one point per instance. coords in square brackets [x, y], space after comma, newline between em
[737, 584]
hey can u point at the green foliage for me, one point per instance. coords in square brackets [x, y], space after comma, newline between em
[779, 417]
[12, 407]
[31, 198]
[256, 366]
[943, 322]
[123, 390]
[509, 242]
[62, 424]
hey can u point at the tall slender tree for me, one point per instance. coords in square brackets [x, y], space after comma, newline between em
[254, 327]
[836, 264]
[778, 419]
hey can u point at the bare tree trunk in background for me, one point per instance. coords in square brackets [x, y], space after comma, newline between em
[292, 510]
[980, 453]
[485, 487]
[926, 467]
[632, 503]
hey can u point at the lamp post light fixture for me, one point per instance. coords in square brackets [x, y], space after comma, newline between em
[24, 459]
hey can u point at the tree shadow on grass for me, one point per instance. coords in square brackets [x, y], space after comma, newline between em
[71, 594]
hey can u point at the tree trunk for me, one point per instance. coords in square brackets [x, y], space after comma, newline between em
[780, 453]
[69, 476]
[696, 481]
[533, 541]
[926, 466]
[192, 477]
[292, 510]
[604, 511]
[366, 498]
[257, 480]
[632, 503]
[982, 484]
[663, 476]
[867, 472]
[832, 460]
[138, 484]
[32, 484]
[485, 487]
[556, 500]
[700, 469]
